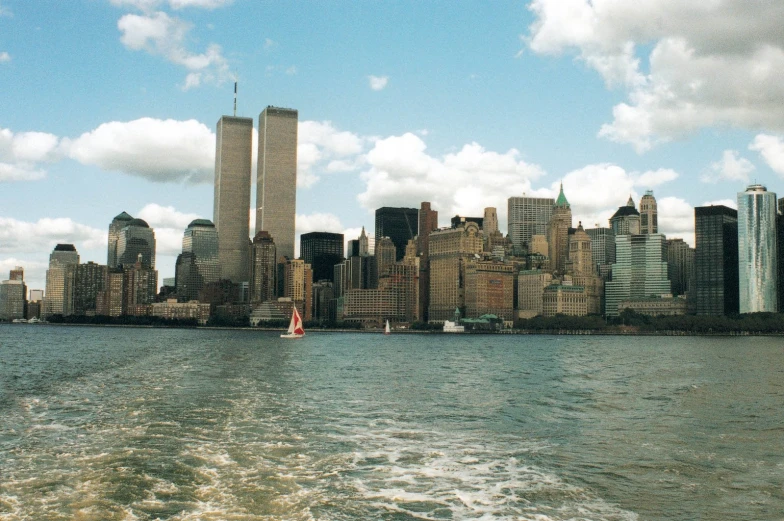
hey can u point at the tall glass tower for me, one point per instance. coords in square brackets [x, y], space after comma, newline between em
[757, 262]
[198, 264]
[715, 289]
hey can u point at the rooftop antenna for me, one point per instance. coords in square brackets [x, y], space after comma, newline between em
[235, 99]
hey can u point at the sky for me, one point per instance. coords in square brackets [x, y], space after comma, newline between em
[111, 105]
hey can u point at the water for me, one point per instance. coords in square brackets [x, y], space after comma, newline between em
[144, 424]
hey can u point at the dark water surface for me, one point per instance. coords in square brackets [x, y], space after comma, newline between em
[145, 424]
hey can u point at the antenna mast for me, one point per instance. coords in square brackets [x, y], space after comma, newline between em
[235, 99]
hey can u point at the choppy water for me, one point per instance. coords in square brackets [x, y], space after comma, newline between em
[144, 424]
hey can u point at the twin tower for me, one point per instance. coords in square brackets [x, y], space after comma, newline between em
[276, 187]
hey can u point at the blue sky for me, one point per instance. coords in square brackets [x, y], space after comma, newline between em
[110, 106]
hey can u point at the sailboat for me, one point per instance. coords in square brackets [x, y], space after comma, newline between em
[295, 326]
[386, 329]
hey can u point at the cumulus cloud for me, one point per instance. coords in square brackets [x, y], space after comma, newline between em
[402, 173]
[378, 82]
[169, 226]
[5, 57]
[676, 219]
[34, 271]
[322, 147]
[772, 150]
[160, 34]
[34, 237]
[157, 150]
[147, 5]
[710, 63]
[21, 154]
[315, 222]
[731, 167]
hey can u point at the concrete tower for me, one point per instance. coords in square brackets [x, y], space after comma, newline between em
[117, 224]
[649, 222]
[276, 177]
[231, 210]
[757, 262]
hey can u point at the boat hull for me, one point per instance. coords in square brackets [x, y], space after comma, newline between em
[291, 335]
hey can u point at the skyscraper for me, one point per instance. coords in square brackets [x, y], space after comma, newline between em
[13, 293]
[322, 250]
[276, 177]
[89, 281]
[649, 220]
[558, 234]
[134, 239]
[428, 222]
[449, 251]
[626, 220]
[680, 266]
[757, 262]
[528, 216]
[490, 221]
[263, 266]
[117, 224]
[60, 280]
[399, 224]
[602, 249]
[715, 260]
[231, 209]
[198, 264]
[640, 270]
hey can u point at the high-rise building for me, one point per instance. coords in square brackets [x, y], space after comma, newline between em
[198, 264]
[385, 256]
[490, 221]
[231, 209]
[399, 224]
[363, 244]
[449, 251]
[89, 281]
[263, 268]
[276, 177]
[322, 250]
[626, 220]
[17, 273]
[109, 302]
[13, 296]
[582, 269]
[60, 281]
[530, 291]
[649, 221]
[640, 270]
[140, 286]
[136, 238]
[715, 260]
[489, 289]
[428, 222]
[757, 253]
[117, 224]
[558, 234]
[603, 250]
[528, 216]
[298, 286]
[457, 220]
[680, 266]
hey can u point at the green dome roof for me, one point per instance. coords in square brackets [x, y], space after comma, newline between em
[561, 201]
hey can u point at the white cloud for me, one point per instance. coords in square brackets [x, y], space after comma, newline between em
[318, 222]
[731, 167]
[710, 63]
[34, 237]
[148, 5]
[5, 57]
[160, 34]
[729, 203]
[34, 271]
[653, 178]
[169, 226]
[157, 150]
[322, 147]
[402, 173]
[21, 153]
[378, 82]
[772, 150]
[676, 219]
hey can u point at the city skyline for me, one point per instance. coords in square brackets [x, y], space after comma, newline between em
[470, 106]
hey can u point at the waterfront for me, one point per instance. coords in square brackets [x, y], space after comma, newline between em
[123, 423]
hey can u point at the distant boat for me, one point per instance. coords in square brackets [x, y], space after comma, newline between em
[295, 326]
[386, 329]
[453, 327]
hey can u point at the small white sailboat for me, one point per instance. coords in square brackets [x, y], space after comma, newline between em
[386, 329]
[295, 326]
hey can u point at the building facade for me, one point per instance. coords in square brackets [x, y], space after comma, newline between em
[680, 266]
[263, 264]
[276, 177]
[449, 251]
[136, 238]
[757, 250]
[117, 224]
[399, 224]
[489, 289]
[716, 283]
[88, 283]
[640, 270]
[60, 277]
[528, 216]
[626, 220]
[558, 234]
[322, 250]
[649, 218]
[231, 208]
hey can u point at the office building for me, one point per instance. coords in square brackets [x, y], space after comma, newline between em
[489, 289]
[140, 287]
[626, 220]
[457, 220]
[89, 281]
[231, 208]
[716, 283]
[757, 251]
[490, 221]
[13, 296]
[109, 302]
[136, 238]
[385, 257]
[558, 234]
[322, 250]
[399, 224]
[276, 177]
[263, 266]
[528, 216]
[428, 222]
[582, 269]
[602, 250]
[198, 264]
[530, 291]
[60, 280]
[117, 224]
[640, 270]
[17, 273]
[680, 266]
[449, 251]
[649, 220]
[564, 299]
[298, 286]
